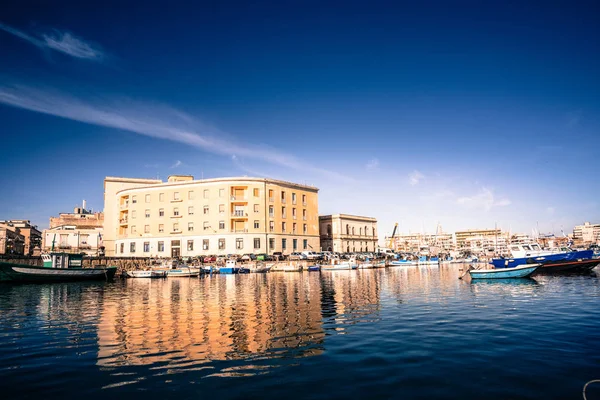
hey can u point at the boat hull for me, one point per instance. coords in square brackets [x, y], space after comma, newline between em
[522, 271]
[29, 274]
[545, 259]
[146, 274]
[569, 266]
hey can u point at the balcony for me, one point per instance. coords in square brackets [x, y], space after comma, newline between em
[239, 214]
[239, 199]
[123, 221]
[124, 205]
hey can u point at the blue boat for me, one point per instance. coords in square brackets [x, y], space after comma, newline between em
[532, 253]
[314, 268]
[230, 268]
[402, 263]
[521, 271]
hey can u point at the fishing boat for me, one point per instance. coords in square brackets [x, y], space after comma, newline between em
[337, 264]
[521, 271]
[182, 271]
[532, 253]
[231, 267]
[402, 263]
[158, 273]
[314, 268]
[57, 267]
[425, 260]
[569, 266]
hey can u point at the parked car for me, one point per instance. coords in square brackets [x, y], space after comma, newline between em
[297, 256]
[310, 255]
[209, 259]
[277, 255]
[264, 257]
[248, 257]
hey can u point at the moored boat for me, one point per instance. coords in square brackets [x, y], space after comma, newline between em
[314, 268]
[58, 267]
[533, 253]
[159, 273]
[182, 271]
[521, 271]
[402, 263]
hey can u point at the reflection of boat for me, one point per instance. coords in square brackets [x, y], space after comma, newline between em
[522, 271]
[182, 272]
[58, 267]
[159, 273]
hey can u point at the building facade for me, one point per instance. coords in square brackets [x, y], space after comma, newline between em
[32, 237]
[11, 241]
[76, 232]
[586, 234]
[184, 217]
[345, 233]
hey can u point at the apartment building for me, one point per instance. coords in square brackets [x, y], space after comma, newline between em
[348, 233]
[186, 217]
[586, 234]
[31, 237]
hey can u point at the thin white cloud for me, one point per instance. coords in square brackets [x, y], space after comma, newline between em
[63, 42]
[176, 164]
[159, 122]
[372, 165]
[484, 199]
[550, 210]
[415, 177]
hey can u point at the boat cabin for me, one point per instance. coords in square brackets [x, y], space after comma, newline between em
[533, 250]
[62, 260]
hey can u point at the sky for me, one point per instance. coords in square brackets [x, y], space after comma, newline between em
[463, 114]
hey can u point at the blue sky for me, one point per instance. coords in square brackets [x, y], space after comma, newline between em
[467, 114]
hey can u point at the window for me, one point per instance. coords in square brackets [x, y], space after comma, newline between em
[146, 228]
[221, 208]
[146, 247]
[122, 248]
[83, 239]
[206, 193]
[353, 231]
[221, 192]
[295, 244]
[190, 210]
[294, 228]
[283, 244]
[271, 243]
[132, 247]
[147, 198]
[303, 199]
[133, 229]
[256, 243]
[256, 224]
[161, 197]
[205, 210]
[176, 212]
[271, 211]
[175, 227]
[304, 215]
[221, 224]
[360, 231]
[294, 213]
[147, 213]
[271, 199]
[190, 227]
[191, 195]
[161, 246]
[373, 231]
[176, 196]
[133, 214]
[239, 243]
[256, 192]
[304, 229]
[283, 226]
[282, 196]
[161, 227]
[328, 229]
[282, 212]
[347, 229]
[190, 245]
[221, 244]
[204, 244]
[205, 225]
[134, 200]
[293, 198]
[257, 208]
[271, 226]
[305, 244]
[161, 212]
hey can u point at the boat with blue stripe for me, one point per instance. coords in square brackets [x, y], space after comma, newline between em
[521, 271]
[533, 254]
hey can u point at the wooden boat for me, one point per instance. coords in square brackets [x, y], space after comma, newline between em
[182, 271]
[521, 271]
[159, 273]
[58, 267]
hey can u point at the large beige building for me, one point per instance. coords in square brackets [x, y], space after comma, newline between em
[187, 217]
[586, 234]
[348, 233]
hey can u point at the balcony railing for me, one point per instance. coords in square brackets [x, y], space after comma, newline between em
[239, 198]
[239, 213]
[124, 205]
[123, 221]
[239, 231]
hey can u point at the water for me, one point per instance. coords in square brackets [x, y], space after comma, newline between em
[391, 333]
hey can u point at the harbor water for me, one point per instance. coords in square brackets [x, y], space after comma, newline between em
[410, 333]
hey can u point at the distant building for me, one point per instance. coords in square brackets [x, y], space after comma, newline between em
[11, 241]
[76, 232]
[186, 217]
[347, 233]
[32, 237]
[586, 234]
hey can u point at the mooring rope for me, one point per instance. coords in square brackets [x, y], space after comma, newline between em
[586, 385]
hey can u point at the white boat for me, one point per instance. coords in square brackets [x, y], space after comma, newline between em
[403, 263]
[160, 273]
[337, 264]
[182, 271]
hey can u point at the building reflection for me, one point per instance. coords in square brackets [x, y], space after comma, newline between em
[216, 318]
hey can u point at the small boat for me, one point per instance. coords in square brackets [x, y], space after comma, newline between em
[261, 268]
[521, 271]
[424, 260]
[379, 264]
[230, 268]
[314, 268]
[533, 253]
[58, 267]
[337, 264]
[158, 273]
[182, 271]
[402, 263]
